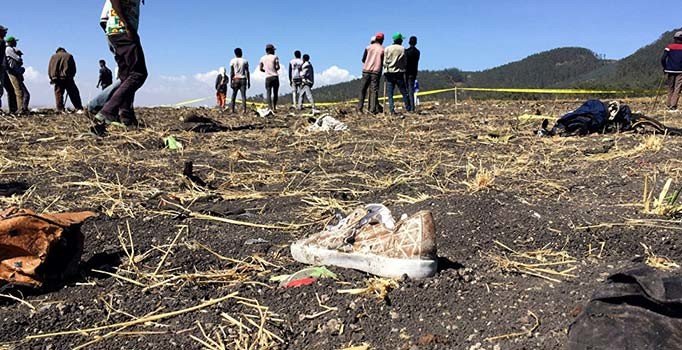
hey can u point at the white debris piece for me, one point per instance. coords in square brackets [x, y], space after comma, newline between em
[328, 123]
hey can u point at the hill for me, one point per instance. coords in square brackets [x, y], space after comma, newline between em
[568, 67]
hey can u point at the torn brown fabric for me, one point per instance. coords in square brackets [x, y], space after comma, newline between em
[35, 249]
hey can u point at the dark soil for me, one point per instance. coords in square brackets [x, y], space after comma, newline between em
[546, 194]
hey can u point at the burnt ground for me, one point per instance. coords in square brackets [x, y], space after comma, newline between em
[488, 180]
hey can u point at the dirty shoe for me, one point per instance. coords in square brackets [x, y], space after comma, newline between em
[370, 240]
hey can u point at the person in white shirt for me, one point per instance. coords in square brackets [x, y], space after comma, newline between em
[295, 79]
[240, 77]
[269, 64]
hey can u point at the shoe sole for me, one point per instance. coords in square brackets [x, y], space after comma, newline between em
[373, 264]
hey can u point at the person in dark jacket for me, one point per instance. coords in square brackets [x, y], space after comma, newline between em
[62, 70]
[413, 55]
[221, 82]
[672, 66]
[106, 78]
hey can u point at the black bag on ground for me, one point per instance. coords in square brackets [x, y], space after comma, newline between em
[637, 309]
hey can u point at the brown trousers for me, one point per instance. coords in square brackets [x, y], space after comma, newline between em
[70, 87]
[23, 97]
[674, 89]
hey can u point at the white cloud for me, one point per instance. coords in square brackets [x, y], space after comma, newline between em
[333, 75]
[33, 75]
[174, 78]
[206, 78]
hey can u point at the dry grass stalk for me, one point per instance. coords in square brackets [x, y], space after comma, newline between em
[665, 204]
[525, 333]
[140, 321]
[375, 287]
[543, 263]
[658, 262]
[483, 179]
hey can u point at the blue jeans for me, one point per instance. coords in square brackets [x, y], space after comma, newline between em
[393, 80]
[97, 103]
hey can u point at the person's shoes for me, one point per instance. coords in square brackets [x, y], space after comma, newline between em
[80, 112]
[99, 130]
[370, 240]
[103, 119]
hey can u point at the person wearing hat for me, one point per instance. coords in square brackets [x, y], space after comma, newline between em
[672, 66]
[395, 66]
[269, 64]
[372, 61]
[120, 20]
[62, 71]
[15, 72]
[11, 99]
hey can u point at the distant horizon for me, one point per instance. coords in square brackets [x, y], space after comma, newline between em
[186, 42]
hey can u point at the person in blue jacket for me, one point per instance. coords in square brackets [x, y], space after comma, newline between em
[672, 66]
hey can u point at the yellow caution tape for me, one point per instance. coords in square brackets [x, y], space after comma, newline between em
[472, 89]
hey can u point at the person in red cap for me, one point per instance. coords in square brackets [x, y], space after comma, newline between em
[672, 66]
[373, 60]
[269, 64]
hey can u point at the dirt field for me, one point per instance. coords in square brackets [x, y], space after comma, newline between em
[528, 227]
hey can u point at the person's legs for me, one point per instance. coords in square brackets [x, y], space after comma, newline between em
[374, 92]
[268, 92]
[391, 83]
[11, 96]
[677, 90]
[235, 89]
[18, 92]
[364, 86]
[96, 104]
[59, 95]
[25, 98]
[132, 71]
[242, 88]
[2, 87]
[410, 90]
[400, 80]
[670, 84]
[74, 94]
[275, 91]
[309, 93]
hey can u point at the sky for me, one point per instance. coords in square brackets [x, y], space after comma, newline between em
[185, 42]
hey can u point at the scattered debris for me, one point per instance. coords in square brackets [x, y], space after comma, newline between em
[265, 112]
[304, 277]
[37, 249]
[326, 123]
[9, 189]
[172, 143]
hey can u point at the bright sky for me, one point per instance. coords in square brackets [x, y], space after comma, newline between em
[186, 41]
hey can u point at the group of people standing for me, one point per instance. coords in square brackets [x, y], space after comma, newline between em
[301, 79]
[399, 66]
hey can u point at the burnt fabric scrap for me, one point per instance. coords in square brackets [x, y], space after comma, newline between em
[640, 308]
